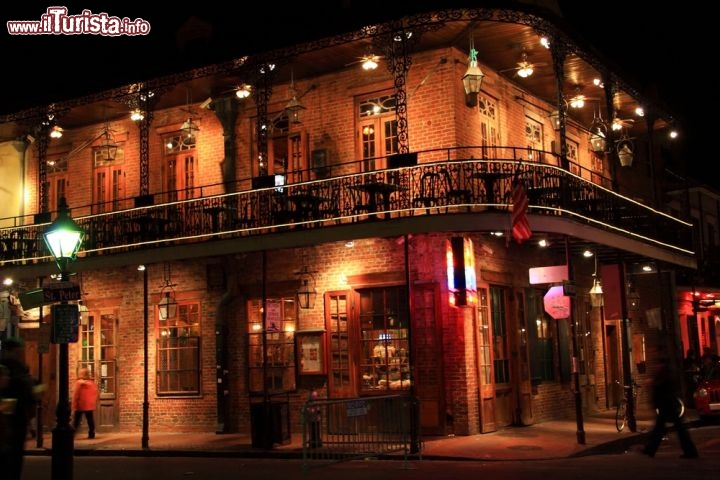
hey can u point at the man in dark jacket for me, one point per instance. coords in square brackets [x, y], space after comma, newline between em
[665, 401]
[20, 387]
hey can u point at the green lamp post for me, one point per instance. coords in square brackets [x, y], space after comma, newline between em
[63, 238]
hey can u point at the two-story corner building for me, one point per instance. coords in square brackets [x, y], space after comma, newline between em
[338, 217]
[698, 290]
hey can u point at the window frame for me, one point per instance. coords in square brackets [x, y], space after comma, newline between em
[377, 130]
[179, 349]
[272, 349]
[384, 349]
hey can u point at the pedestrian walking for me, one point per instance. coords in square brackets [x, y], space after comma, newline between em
[664, 398]
[21, 401]
[84, 401]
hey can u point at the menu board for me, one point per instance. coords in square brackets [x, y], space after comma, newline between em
[65, 323]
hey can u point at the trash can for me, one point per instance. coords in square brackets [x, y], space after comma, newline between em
[269, 424]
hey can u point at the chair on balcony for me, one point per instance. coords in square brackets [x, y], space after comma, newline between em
[96, 234]
[175, 217]
[245, 218]
[360, 200]
[331, 208]
[281, 212]
[429, 192]
[454, 194]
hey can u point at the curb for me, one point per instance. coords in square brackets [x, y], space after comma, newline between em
[618, 446]
[623, 445]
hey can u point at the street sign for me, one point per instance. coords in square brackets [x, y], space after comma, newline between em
[551, 274]
[31, 299]
[61, 292]
[65, 319]
[556, 304]
[51, 293]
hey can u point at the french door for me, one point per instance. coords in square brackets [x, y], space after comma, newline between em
[98, 353]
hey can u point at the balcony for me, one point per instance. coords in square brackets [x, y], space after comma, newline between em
[446, 190]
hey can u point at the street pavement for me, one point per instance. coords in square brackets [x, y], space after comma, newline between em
[546, 440]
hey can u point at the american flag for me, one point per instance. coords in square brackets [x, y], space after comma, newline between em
[520, 226]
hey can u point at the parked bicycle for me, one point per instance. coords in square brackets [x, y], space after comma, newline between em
[621, 414]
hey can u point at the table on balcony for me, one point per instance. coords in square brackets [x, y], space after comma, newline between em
[146, 228]
[543, 196]
[307, 205]
[375, 191]
[221, 216]
[490, 179]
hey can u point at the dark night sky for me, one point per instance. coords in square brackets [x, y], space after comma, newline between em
[649, 44]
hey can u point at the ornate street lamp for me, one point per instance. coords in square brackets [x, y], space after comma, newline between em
[596, 293]
[167, 306]
[63, 238]
[472, 80]
[306, 292]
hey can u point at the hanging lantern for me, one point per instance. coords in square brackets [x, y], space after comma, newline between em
[596, 294]
[598, 135]
[189, 132]
[472, 80]
[293, 108]
[167, 307]
[633, 298]
[108, 147]
[625, 152]
[84, 313]
[306, 292]
[555, 119]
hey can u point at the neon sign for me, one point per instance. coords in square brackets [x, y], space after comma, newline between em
[462, 281]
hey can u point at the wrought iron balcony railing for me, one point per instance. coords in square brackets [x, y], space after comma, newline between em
[441, 183]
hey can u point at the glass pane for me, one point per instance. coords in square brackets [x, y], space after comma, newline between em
[384, 340]
[272, 349]
[338, 344]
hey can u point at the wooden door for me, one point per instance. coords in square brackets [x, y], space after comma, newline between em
[613, 366]
[109, 189]
[287, 156]
[521, 368]
[483, 339]
[377, 130]
[180, 172]
[341, 364]
[505, 399]
[108, 181]
[97, 344]
[427, 359]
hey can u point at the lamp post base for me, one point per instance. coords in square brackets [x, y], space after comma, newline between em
[62, 452]
[62, 435]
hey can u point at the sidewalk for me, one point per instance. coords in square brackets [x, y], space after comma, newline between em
[546, 440]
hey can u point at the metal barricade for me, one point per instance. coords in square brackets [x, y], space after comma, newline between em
[351, 428]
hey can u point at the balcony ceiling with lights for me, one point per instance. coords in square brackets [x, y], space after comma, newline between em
[499, 45]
